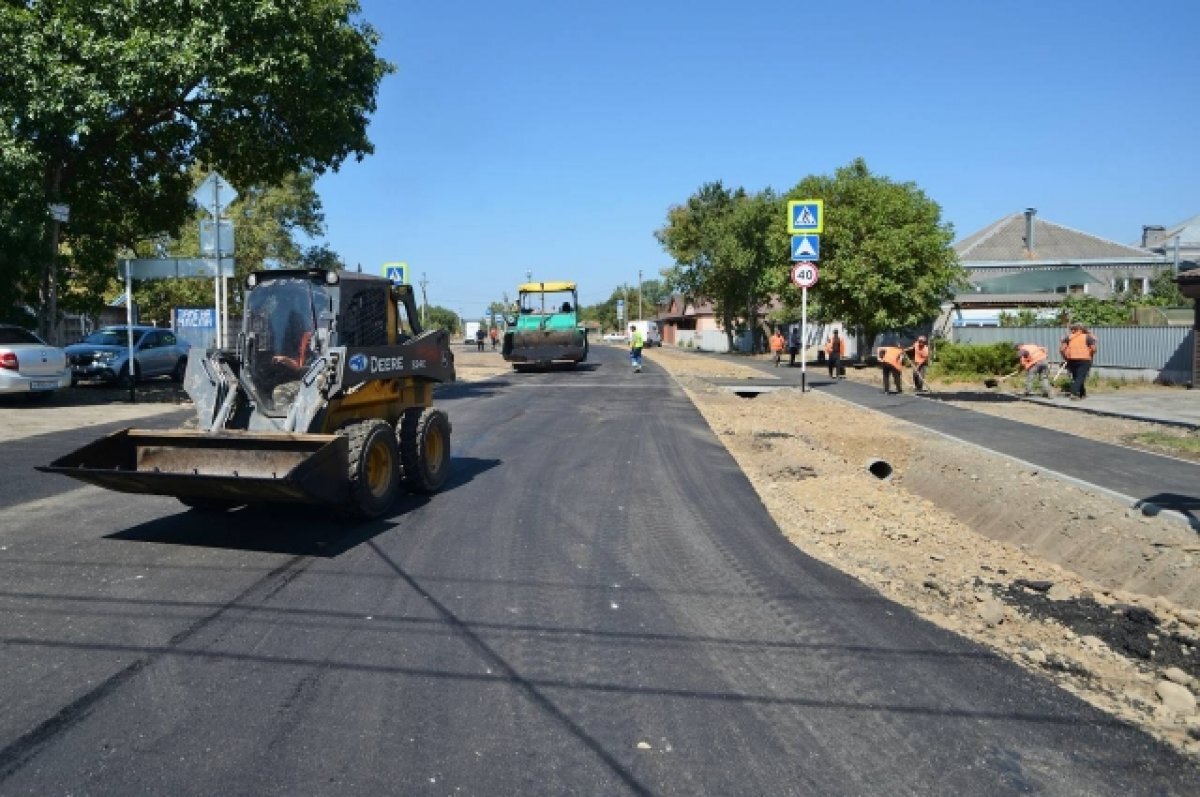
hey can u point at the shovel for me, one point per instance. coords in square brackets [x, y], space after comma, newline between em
[924, 383]
[992, 381]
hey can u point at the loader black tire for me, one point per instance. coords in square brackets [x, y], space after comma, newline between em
[424, 449]
[374, 468]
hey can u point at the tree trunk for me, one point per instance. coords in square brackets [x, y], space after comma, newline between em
[48, 288]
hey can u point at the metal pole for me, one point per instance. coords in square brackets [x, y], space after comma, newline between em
[803, 339]
[129, 331]
[216, 214]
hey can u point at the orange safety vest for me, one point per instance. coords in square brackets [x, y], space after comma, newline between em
[1077, 346]
[920, 353]
[841, 346]
[892, 355]
[777, 343]
[1031, 355]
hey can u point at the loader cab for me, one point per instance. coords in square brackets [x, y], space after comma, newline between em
[281, 335]
[294, 317]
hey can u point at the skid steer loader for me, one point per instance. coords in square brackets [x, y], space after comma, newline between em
[326, 399]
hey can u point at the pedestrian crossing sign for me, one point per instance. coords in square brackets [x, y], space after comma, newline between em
[806, 215]
[806, 247]
[396, 272]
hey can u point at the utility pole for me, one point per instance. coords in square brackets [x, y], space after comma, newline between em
[424, 300]
[640, 316]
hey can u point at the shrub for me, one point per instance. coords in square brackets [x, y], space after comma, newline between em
[969, 360]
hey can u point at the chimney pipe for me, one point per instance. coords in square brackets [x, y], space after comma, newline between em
[1029, 248]
[1153, 236]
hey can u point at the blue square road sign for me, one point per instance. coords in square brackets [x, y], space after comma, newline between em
[806, 247]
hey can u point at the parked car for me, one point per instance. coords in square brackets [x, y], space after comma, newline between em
[104, 355]
[29, 365]
[616, 337]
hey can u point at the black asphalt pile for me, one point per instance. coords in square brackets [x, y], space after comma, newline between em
[1133, 631]
[979, 396]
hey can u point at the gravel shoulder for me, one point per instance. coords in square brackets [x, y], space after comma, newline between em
[1066, 582]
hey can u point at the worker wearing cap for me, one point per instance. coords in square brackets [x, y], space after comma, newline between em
[919, 354]
[891, 360]
[1033, 360]
[1078, 348]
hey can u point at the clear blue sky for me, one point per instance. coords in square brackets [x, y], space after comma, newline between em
[552, 136]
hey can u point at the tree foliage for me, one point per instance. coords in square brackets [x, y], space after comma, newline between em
[437, 317]
[266, 224]
[654, 299]
[1093, 312]
[728, 247]
[108, 104]
[886, 256]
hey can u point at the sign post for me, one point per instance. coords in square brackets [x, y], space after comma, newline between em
[806, 222]
[213, 196]
[804, 275]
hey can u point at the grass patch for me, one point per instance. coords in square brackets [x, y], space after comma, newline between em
[1163, 441]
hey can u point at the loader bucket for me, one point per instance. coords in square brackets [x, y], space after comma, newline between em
[234, 467]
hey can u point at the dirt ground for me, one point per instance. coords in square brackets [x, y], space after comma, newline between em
[1067, 583]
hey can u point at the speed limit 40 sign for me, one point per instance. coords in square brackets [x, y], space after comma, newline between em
[804, 275]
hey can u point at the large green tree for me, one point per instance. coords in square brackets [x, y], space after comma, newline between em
[728, 247]
[108, 104]
[886, 260]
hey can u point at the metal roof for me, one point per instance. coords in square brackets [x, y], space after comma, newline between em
[1004, 240]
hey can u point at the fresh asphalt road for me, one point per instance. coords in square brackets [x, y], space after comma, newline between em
[597, 604]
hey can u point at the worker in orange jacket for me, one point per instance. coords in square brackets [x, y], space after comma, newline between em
[835, 349]
[1034, 360]
[778, 344]
[1078, 348]
[891, 360]
[919, 354]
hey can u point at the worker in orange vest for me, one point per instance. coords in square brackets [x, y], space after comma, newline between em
[919, 354]
[494, 334]
[891, 360]
[1034, 360]
[1078, 348]
[777, 346]
[835, 349]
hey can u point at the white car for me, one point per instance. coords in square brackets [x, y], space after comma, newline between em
[30, 366]
[616, 337]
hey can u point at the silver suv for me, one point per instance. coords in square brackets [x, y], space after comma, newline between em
[104, 355]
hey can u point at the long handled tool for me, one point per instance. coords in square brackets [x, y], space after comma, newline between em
[992, 381]
[924, 386]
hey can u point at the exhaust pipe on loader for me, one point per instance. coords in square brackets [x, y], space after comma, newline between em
[295, 414]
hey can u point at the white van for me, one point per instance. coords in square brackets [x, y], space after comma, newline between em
[650, 334]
